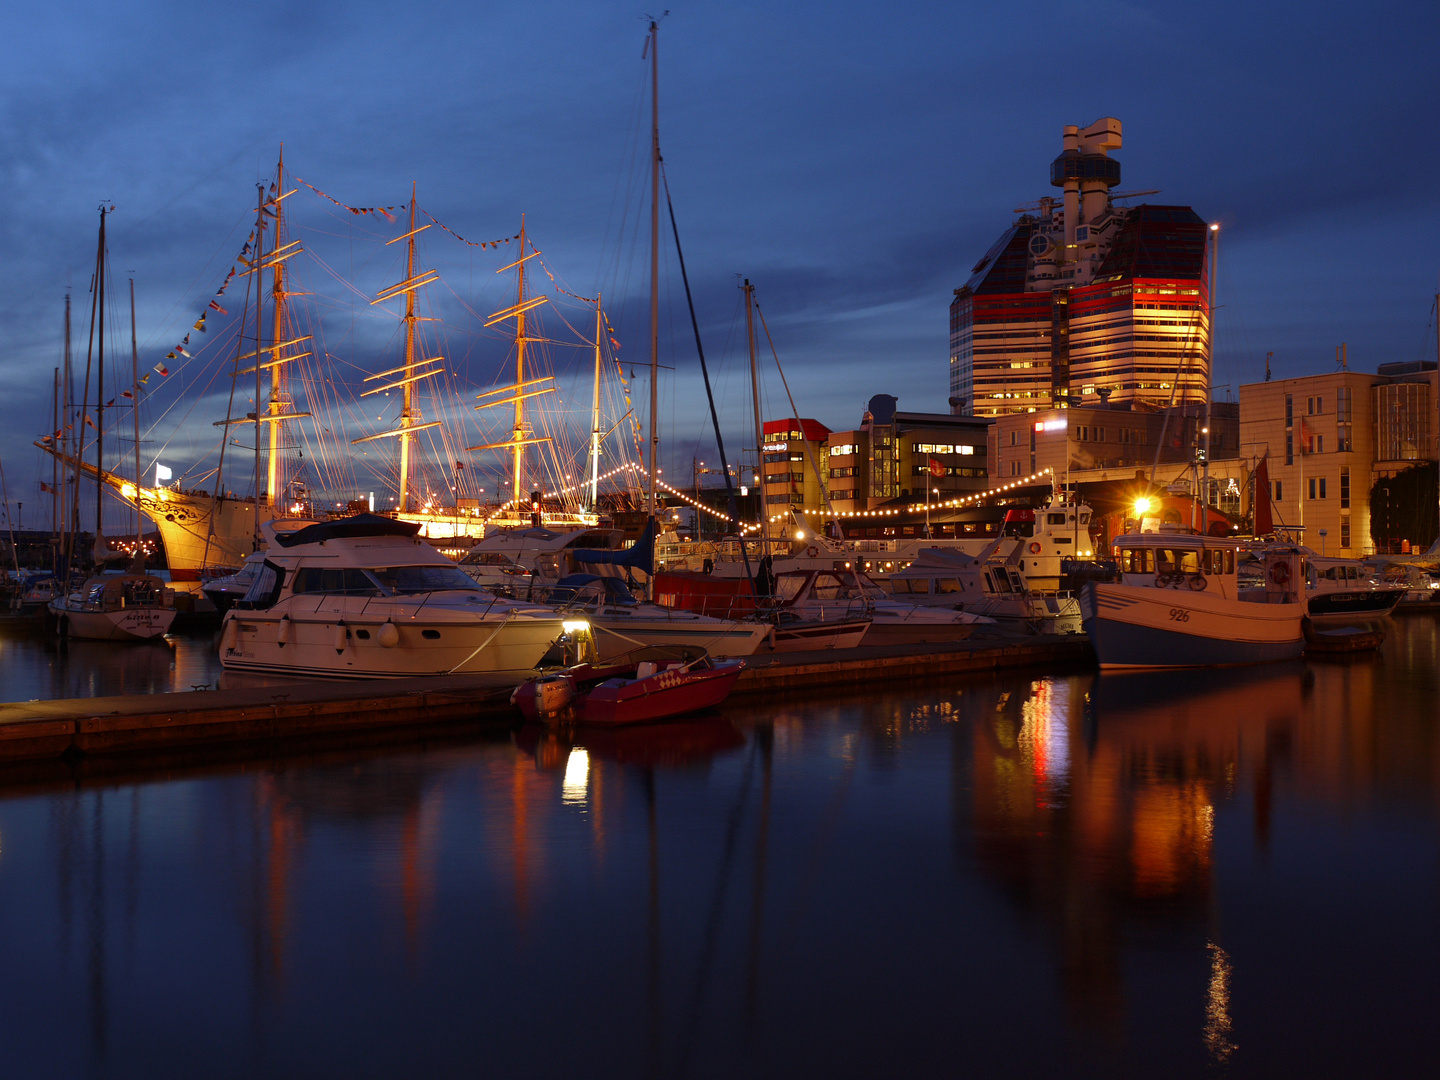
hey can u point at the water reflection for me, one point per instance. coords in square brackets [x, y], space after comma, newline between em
[43, 666]
[774, 890]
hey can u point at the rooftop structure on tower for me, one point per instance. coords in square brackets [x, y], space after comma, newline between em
[1082, 301]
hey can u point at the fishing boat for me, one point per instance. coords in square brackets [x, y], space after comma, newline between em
[363, 598]
[631, 692]
[1178, 603]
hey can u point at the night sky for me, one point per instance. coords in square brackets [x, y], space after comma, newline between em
[853, 160]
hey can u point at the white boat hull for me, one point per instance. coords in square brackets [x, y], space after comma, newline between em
[618, 634]
[130, 624]
[341, 645]
[1139, 626]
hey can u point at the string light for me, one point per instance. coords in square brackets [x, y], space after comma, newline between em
[915, 508]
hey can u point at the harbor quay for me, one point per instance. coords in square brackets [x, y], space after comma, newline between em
[271, 715]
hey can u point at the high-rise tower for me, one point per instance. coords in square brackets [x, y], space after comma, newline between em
[1081, 301]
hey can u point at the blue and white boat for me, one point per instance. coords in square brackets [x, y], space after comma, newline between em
[1178, 604]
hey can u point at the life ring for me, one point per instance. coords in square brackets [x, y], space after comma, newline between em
[812, 551]
[1280, 573]
[1035, 548]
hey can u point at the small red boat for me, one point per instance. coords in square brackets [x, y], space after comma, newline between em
[635, 692]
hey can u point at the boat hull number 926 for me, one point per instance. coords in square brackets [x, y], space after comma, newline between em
[1178, 614]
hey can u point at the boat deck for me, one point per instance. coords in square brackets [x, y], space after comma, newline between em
[302, 711]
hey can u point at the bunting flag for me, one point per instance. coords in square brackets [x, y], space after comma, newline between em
[127, 393]
[89, 422]
[216, 307]
[186, 340]
[473, 243]
[200, 323]
[145, 378]
[48, 438]
[614, 342]
[44, 487]
[162, 369]
[110, 403]
[181, 350]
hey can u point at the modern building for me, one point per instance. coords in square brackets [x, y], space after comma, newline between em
[1326, 439]
[795, 459]
[1082, 301]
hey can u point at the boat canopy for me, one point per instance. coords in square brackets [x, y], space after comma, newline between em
[639, 557]
[356, 526]
[569, 588]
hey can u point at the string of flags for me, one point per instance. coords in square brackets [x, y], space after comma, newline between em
[473, 243]
[387, 212]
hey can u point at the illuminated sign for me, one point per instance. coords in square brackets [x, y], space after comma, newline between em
[771, 447]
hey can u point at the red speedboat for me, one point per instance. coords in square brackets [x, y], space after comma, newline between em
[629, 693]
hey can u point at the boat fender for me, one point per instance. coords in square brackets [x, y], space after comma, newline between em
[231, 635]
[1280, 573]
[812, 551]
[342, 634]
[1035, 548]
[388, 635]
[282, 632]
[1198, 582]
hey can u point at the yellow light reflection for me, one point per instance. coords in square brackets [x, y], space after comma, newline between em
[1217, 1006]
[577, 776]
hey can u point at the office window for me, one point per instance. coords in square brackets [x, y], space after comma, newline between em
[1289, 411]
[1289, 447]
[1310, 406]
[1014, 468]
[1100, 434]
[1345, 488]
[1279, 491]
[1344, 532]
[1014, 438]
[1319, 444]
[1322, 487]
[1312, 487]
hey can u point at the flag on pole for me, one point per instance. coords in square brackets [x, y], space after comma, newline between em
[936, 469]
[162, 473]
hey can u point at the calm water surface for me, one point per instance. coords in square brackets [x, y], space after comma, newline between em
[1217, 874]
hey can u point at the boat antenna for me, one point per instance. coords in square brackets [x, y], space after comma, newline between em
[709, 395]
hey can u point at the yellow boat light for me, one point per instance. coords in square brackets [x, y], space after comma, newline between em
[575, 626]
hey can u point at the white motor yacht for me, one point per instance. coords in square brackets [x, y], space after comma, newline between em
[621, 623]
[845, 594]
[984, 585]
[362, 598]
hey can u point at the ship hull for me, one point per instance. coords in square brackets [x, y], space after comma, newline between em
[1138, 626]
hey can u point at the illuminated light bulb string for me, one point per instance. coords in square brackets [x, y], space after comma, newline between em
[619, 469]
[969, 500]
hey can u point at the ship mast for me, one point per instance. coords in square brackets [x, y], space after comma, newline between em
[654, 44]
[595, 417]
[520, 433]
[135, 415]
[413, 371]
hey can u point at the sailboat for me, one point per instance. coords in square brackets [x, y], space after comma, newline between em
[133, 606]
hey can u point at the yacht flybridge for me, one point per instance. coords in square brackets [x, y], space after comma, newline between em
[363, 598]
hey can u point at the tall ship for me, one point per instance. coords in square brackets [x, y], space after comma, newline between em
[298, 455]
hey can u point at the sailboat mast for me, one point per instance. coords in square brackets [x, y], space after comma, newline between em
[135, 415]
[259, 367]
[408, 391]
[595, 417]
[65, 428]
[1209, 383]
[277, 336]
[759, 424]
[654, 253]
[100, 383]
[55, 461]
[519, 452]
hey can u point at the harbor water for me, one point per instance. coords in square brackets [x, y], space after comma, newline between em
[1228, 872]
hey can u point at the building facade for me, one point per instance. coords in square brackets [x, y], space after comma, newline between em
[1083, 302]
[791, 455]
[1327, 438]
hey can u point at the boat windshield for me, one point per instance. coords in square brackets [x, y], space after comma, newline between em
[400, 580]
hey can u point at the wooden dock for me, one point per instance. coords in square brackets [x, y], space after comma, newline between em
[270, 715]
